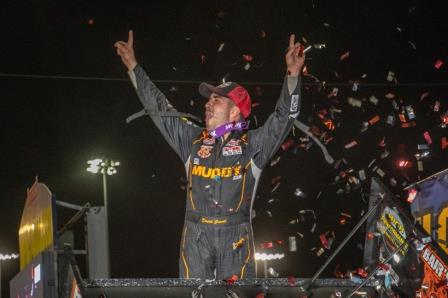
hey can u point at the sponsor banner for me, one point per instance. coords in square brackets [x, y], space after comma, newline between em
[36, 231]
[429, 205]
[390, 233]
[435, 278]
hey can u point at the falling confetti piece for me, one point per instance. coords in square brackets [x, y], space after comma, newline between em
[427, 137]
[291, 281]
[351, 144]
[344, 56]
[438, 64]
[424, 95]
[362, 175]
[354, 102]
[275, 161]
[247, 66]
[373, 100]
[390, 120]
[333, 93]
[389, 95]
[248, 58]
[299, 193]
[408, 124]
[374, 120]
[272, 272]
[287, 144]
[410, 112]
[232, 279]
[436, 106]
[390, 76]
[221, 47]
[444, 143]
[412, 193]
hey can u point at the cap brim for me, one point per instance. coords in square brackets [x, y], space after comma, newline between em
[206, 90]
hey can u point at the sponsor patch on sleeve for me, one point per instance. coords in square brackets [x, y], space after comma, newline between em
[294, 102]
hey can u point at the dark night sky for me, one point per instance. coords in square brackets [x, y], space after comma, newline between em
[51, 126]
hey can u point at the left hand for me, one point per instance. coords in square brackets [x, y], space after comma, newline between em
[294, 62]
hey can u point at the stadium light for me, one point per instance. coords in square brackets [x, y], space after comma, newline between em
[106, 167]
[4, 257]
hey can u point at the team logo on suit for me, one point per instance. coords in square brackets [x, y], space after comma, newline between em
[204, 151]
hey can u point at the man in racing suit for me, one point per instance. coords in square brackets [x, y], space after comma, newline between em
[223, 164]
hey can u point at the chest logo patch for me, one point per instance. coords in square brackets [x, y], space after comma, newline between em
[204, 151]
[231, 150]
[208, 141]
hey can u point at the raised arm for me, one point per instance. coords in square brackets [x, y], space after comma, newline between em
[267, 138]
[177, 130]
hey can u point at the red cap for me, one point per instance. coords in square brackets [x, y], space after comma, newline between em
[238, 94]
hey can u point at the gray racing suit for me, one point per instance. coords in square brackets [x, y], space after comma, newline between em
[217, 238]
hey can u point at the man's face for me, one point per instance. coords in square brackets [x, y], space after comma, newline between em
[217, 111]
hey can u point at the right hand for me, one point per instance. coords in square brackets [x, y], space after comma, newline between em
[126, 51]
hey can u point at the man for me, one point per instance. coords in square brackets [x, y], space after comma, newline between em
[223, 164]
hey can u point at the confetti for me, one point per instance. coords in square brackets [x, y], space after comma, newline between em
[272, 272]
[410, 112]
[247, 58]
[424, 95]
[391, 76]
[319, 252]
[444, 143]
[444, 118]
[299, 193]
[319, 46]
[373, 99]
[427, 137]
[292, 243]
[291, 281]
[351, 144]
[391, 96]
[390, 120]
[344, 56]
[438, 64]
[274, 161]
[232, 279]
[374, 120]
[436, 106]
[419, 165]
[362, 175]
[354, 102]
[327, 239]
[333, 93]
[287, 144]
[267, 245]
[221, 47]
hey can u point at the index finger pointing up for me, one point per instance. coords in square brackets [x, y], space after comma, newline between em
[292, 37]
[131, 38]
